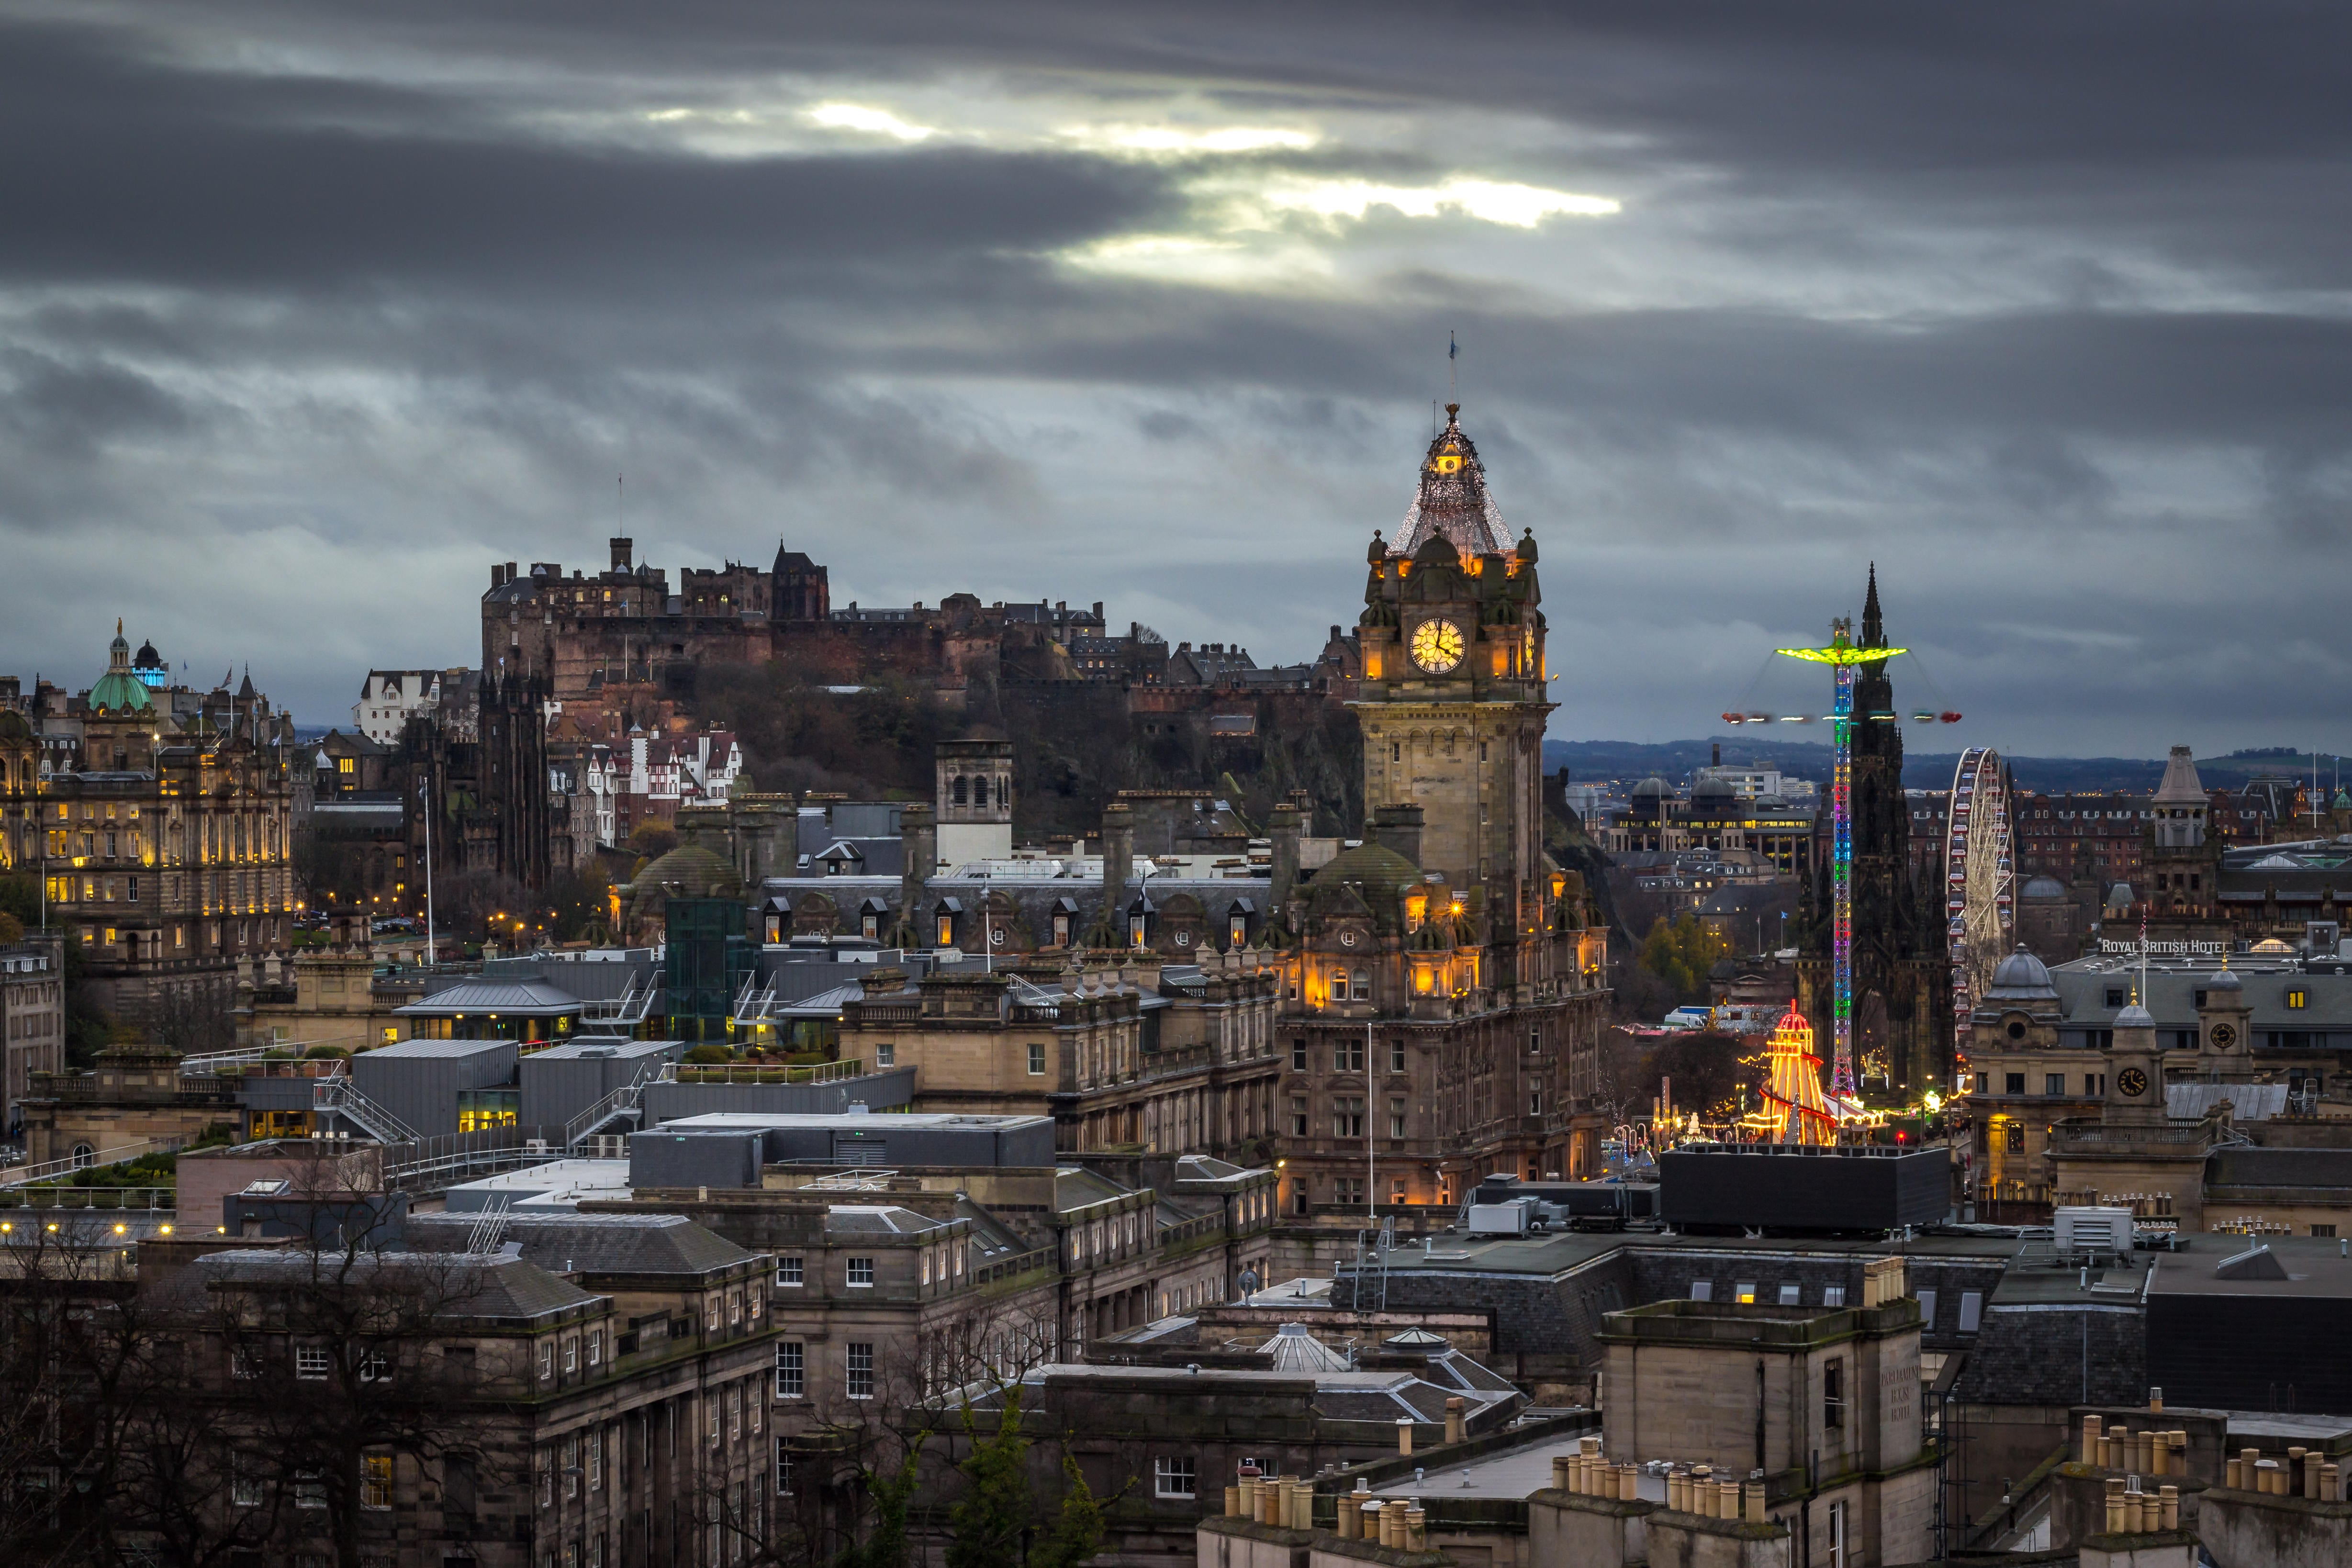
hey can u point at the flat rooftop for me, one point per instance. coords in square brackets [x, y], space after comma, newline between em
[877, 1121]
[1561, 1252]
[1512, 1473]
[2315, 1267]
[557, 1184]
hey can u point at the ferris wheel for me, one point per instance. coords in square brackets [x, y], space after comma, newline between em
[1979, 892]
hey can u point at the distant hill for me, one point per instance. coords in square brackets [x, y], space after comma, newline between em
[1593, 762]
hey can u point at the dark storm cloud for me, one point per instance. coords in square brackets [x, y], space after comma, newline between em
[2043, 306]
[151, 174]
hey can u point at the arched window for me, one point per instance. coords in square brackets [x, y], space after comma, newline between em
[82, 1155]
[957, 791]
[1363, 991]
[1338, 985]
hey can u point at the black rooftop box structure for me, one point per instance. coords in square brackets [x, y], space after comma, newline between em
[1622, 1200]
[1799, 1188]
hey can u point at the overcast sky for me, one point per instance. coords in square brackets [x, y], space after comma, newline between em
[306, 318]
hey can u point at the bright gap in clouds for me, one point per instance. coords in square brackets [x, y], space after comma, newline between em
[875, 121]
[1170, 141]
[1489, 200]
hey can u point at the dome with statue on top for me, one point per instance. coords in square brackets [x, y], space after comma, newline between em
[119, 691]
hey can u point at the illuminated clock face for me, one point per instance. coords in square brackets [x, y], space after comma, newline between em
[2132, 1081]
[2224, 1035]
[1446, 463]
[1437, 645]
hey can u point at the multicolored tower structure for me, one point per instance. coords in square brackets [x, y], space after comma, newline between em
[1842, 657]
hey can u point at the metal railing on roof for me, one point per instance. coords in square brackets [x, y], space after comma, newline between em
[491, 1227]
[865, 1179]
[436, 1164]
[50, 1169]
[628, 1100]
[755, 1004]
[208, 1062]
[165, 1201]
[755, 1072]
[342, 1097]
[629, 1008]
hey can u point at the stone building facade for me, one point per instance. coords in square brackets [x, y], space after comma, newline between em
[32, 1022]
[165, 847]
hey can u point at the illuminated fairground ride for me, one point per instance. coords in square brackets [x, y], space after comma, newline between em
[1844, 660]
[1979, 876]
[1795, 1110]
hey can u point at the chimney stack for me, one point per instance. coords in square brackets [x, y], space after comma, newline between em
[1118, 864]
[1398, 827]
[1284, 827]
[919, 850]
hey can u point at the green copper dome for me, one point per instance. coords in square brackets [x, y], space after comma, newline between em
[120, 689]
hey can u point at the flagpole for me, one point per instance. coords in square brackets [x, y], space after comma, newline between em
[424, 788]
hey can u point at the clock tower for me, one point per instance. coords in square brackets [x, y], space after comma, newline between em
[2135, 1070]
[1453, 699]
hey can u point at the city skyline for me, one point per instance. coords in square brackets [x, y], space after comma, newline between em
[305, 319]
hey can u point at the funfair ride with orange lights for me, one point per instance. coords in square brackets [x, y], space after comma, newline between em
[1800, 1112]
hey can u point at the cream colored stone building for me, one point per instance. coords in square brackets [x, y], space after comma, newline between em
[1124, 1053]
[1825, 1402]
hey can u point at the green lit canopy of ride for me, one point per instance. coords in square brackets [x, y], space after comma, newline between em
[1839, 653]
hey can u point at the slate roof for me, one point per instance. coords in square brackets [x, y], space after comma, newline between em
[2242, 1167]
[1076, 1188]
[593, 1242]
[875, 1219]
[503, 1286]
[2171, 997]
[2248, 1101]
[493, 996]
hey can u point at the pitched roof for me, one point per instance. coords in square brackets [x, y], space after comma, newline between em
[1453, 500]
[2180, 785]
[504, 1285]
[493, 995]
[593, 1242]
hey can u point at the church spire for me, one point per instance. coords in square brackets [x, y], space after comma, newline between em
[1874, 627]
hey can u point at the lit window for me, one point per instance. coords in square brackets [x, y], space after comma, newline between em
[376, 1480]
[2295, 999]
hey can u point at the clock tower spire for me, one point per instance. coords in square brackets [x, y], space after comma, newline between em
[1452, 699]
